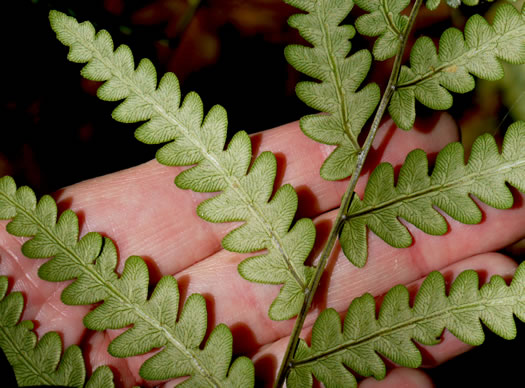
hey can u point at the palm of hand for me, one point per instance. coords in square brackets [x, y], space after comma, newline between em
[174, 241]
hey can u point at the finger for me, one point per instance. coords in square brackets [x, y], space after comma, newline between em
[215, 273]
[269, 356]
[242, 305]
[400, 377]
[486, 265]
[152, 211]
[396, 378]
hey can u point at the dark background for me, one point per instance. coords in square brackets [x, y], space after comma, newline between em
[55, 132]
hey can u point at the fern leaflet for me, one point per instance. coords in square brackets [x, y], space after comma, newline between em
[478, 52]
[448, 188]
[340, 77]
[92, 261]
[357, 344]
[246, 191]
[38, 362]
[384, 20]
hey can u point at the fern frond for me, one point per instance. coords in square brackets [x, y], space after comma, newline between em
[91, 262]
[449, 187]
[246, 191]
[385, 21]
[432, 75]
[36, 362]
[358, 344]
[340, 76]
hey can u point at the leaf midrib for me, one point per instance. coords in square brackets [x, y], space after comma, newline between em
[336, 75]
[439, 188]
[442, 314]
[389, 17]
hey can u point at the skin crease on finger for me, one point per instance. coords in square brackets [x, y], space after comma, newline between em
[98, 217]
[400, 378]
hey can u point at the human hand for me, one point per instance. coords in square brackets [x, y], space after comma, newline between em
[145, 214]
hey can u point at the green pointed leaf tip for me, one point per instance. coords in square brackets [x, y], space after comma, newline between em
[35, 362]
[359, 342]
[101, 378]
[385, 21]
[195, 139]
[91, 263]
[448, 188]
[339, 78]
[478, 52]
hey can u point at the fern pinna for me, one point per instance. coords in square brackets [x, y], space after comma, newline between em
[91, 261]
[385, 21]
[448, 188]
[193, 139]
[363, 337]
[340, 77]
[477, 50]
[39, 362]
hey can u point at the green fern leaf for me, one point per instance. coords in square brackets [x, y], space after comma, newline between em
[92, 261]
[358, 343]
[384, 20]
[195, 139]
[448, 188]
[479, 52]
[36, 362]
[340, 76]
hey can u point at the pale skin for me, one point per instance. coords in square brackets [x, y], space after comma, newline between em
[145, 214]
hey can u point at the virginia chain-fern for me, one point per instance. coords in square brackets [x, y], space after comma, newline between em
[247, 196]
[384, 18]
